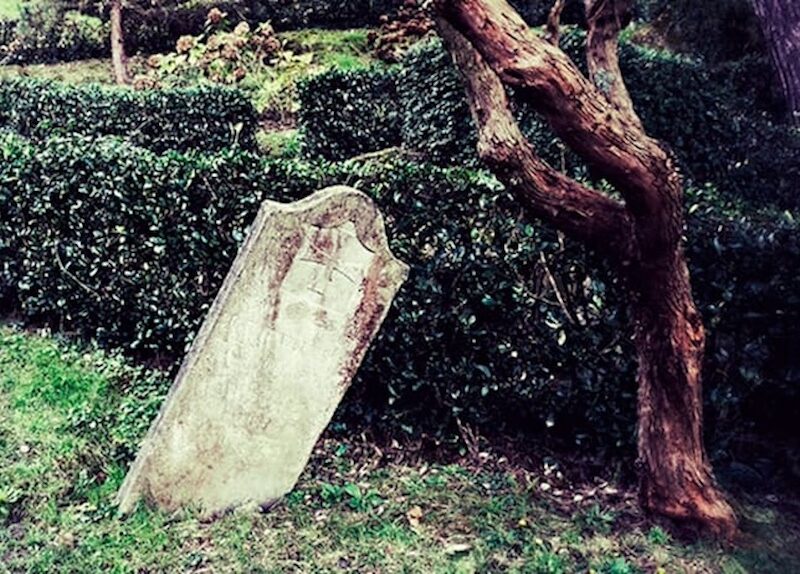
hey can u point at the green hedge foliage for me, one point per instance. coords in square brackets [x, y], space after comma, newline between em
[151, 29]
[345, 113]
[722, 30]
[295, 14]
[7, 31]
[207, 117]
[108, 240]
[706, 119]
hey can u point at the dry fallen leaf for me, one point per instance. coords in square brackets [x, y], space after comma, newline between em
[414, 515]
[457, 548]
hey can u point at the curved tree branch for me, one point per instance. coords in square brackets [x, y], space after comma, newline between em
[606, 19]
[579, 211]
[607, 138]
[493, 46]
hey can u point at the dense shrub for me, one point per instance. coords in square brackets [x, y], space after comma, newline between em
[156, 27]
[744, 273]
[206, 117]
[721, 30]
[294, 14]
[535, 12]
[53, 30]
[434, 121]
[111, 241]
[345, 113]
[708, 121]
[7, 31]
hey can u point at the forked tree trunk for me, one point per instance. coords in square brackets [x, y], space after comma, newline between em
[118, 57]
[780, 22]
[641, 235]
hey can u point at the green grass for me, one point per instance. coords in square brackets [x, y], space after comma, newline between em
[9, 8]
[94, 71]
[70, 418]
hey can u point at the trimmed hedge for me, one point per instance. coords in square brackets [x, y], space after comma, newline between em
[207, 117]
[703, 116]
[296, 14]
[111, 241]
[345, 113]
[435, 123]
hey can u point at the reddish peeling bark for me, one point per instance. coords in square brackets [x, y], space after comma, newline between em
[606, 18]
[118, 57]
[675, 477]
[780, 21]
[554, 22]
[642, 235]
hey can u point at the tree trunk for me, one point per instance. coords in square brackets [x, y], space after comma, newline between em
[676, 480]
[780, 21]
[642, 234]
[118, 57]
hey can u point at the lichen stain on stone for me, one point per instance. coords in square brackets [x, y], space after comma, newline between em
[278, 269]
[365, 321]
[322, 246]
[321, 318]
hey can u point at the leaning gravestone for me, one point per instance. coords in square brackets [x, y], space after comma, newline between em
[292, 322]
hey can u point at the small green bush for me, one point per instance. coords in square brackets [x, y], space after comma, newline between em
[110, 241]
[346, 113]
[49, 31]
[206, 117]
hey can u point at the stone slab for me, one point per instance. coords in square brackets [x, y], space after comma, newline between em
[304, 298]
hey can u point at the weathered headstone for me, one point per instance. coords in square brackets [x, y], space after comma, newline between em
[292, 322]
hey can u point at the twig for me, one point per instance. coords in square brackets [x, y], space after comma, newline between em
[557, 290]
[382, 153]
[69, 274]
[554, 22]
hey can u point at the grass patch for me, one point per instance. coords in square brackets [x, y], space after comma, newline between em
[95, 71]
[10, 9]
[70, 418]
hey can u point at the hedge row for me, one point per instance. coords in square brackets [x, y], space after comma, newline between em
[111, 241]
[703, 116]
[345, 113]
[207, 117]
